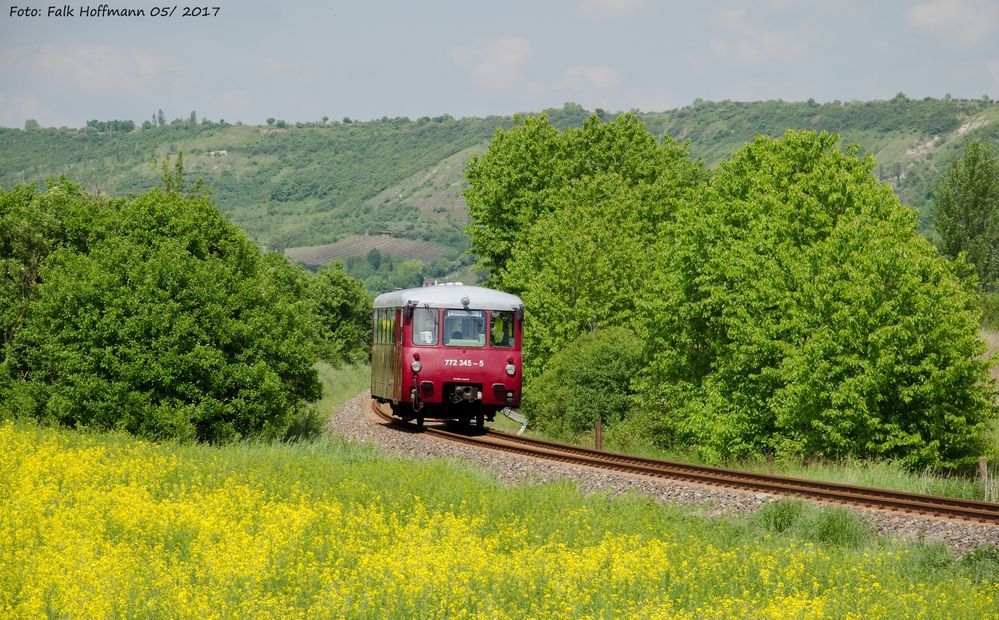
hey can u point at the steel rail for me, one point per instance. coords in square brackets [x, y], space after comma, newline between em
[985, 512]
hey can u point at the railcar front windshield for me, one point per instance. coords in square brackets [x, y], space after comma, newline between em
[464, 328]
[425, 326]
[501, 329]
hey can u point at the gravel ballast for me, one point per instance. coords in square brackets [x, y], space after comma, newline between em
[354, 421]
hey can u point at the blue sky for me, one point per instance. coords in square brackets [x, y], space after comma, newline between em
[300, 61]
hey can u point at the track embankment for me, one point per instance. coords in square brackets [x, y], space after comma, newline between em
[357, 421]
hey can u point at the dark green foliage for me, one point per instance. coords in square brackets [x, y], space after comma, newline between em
[343, 308]
[150, 314]
[966, 201]
[587, 380]
[798, 312]
[111, 126]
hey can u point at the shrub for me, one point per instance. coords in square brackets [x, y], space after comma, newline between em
[588, 380]
[150, 314]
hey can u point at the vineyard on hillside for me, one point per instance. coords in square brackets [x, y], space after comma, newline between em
[361, 245]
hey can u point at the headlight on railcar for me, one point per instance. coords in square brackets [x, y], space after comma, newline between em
[511, 369]
[416, 366]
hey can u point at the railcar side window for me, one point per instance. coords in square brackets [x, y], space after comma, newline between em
[501, 329]
[384, 319]
[464, 328]
[425, 326]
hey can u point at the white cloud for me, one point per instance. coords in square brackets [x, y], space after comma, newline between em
[499, 64]
[589, 78]
[610, 8]
[965, 22]
[737, 41]
[92, 67]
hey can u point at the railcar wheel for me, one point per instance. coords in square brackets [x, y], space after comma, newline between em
[419, 422]
[480, 420]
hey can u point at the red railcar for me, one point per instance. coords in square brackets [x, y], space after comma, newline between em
[448, 352]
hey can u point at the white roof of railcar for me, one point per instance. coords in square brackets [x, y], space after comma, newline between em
[449, 296]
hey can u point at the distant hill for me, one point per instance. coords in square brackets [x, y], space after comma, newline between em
[315, 184]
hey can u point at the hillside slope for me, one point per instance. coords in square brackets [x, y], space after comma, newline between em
[310, 184]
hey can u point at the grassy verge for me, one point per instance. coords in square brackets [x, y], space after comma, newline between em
[105, 525]
[341, 384]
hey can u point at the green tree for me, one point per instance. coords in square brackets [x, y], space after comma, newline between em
[582, 266]
[507, 188]
[343, 308]
[564, 218]
[150, 314]
[966, 201]
[797, 311]
[31, 125]
[407, 274]
[519, 177]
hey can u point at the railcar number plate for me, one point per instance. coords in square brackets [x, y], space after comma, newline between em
[479, 363]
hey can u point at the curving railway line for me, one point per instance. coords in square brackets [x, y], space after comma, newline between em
[948, 507]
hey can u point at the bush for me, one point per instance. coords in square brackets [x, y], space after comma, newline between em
[150, 314]
[588, 380]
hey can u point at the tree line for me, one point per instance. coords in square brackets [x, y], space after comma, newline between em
[783, 304]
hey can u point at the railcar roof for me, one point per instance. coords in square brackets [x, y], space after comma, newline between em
[447, 296]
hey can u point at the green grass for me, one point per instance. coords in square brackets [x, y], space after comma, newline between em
[341, 384]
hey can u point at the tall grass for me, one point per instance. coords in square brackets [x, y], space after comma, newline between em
[341, 384]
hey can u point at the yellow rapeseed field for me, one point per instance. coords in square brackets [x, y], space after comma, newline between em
[107, 526]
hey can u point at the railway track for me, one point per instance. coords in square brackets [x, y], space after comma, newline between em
[954, 508]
